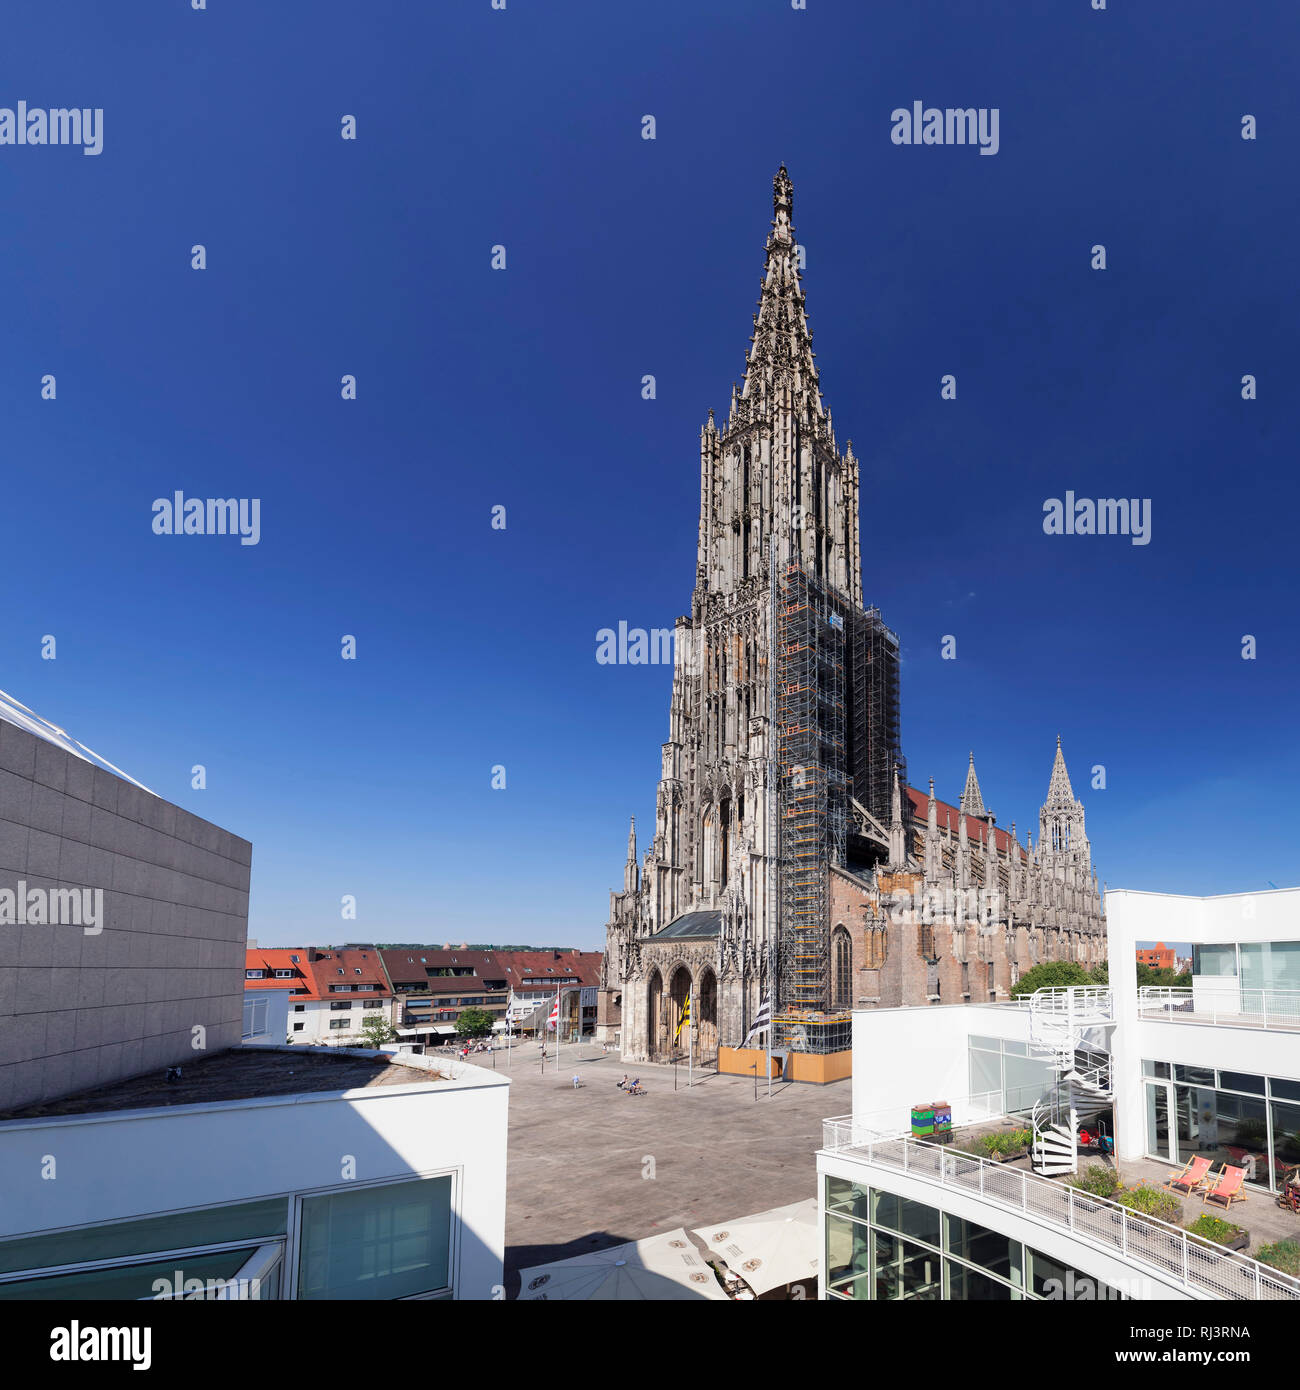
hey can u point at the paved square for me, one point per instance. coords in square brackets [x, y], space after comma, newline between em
[577, 1157]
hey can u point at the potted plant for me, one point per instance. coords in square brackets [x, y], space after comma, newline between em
[1006, 1145]
[1216, 1231]
[1282, 1254]
[1096, 1180]
[1155, 1202]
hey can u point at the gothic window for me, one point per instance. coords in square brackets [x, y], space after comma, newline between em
[841, 969]
[724, 836]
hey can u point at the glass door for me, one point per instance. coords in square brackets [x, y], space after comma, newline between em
[1161, 1135]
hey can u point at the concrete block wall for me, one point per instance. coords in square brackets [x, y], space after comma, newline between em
[79, 1009]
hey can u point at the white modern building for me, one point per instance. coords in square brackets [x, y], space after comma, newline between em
[1211, 1071]
[287, 1173]
[266, 1017]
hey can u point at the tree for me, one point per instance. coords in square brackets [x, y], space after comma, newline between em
[377, 1032]
[1154, 975]
[1050, 973]
[475, 1023]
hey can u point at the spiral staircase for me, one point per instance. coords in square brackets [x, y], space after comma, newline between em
[1063, 1030]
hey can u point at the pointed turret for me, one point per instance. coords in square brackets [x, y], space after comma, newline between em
[933, 856]
[963, 853]
[971, 800]
[630, 869]
[897, 842]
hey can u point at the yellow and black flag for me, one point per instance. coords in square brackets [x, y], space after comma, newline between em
[685, 1020]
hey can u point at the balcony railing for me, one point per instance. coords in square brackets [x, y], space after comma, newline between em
[1221, 1005]
[1202, 1268]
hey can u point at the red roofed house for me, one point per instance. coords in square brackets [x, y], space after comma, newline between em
[331, 993]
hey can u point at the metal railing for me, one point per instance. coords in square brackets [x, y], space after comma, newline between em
[1228, 1006]
[1194, 1264]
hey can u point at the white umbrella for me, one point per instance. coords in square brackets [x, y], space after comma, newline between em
[657, 1268]
[771, 1249]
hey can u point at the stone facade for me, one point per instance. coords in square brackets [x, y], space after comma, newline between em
[82, 1007]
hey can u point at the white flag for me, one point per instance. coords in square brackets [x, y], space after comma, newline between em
[762, 1020]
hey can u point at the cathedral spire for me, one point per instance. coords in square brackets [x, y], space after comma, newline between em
[971, 800]
[1059, 791]
[782, 345]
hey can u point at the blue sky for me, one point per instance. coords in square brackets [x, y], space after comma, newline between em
[521, 388]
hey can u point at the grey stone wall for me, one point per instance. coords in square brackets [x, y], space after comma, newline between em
[79, 1008]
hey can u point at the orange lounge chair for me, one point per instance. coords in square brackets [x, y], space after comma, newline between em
[1226, 1187]
[1190, 1178]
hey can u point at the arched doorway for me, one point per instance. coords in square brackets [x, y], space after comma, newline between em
[679, 991]
[655, 1021]
[707, 1035]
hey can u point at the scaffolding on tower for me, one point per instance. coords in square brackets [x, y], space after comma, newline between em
[812, 797]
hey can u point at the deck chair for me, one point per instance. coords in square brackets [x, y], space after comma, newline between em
[1191, 1177]
[1225, 1187]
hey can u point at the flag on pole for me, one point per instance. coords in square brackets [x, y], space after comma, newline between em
[554, 1021]
[685, 1020]
[762, 1021]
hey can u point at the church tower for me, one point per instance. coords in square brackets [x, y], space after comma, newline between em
[774, 487]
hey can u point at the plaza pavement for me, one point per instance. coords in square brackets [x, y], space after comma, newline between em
[580, 1160]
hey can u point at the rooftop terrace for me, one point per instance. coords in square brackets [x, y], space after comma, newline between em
[1204, 1269]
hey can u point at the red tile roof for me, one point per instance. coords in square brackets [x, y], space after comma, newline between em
[350, 967]
[256, 958]
[950, 817]
[546, 965]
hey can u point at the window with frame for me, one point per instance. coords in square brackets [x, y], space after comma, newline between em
[390, 1241]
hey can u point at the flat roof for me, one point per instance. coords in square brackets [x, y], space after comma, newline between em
[243, 1073]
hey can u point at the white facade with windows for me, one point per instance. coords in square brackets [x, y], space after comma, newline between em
[393, 1191]
[1212, 1070]
[335, 1022]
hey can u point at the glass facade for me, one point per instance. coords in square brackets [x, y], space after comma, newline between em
[382, 1241]
[1240, 1118]
[883, 1246]
[1269, 965]
[1002, 1070]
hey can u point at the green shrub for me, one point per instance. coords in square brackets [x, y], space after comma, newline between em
[1214, 1228]
[1152, 1201]
[1097, 1180]
[1050, 974]
[1284, 1255]
[1006, 1141]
